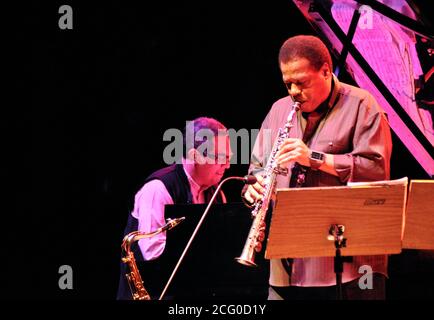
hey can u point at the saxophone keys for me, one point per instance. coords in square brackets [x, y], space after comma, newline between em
[281, 170]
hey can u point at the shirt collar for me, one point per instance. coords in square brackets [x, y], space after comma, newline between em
[335, 90]
[328, 103]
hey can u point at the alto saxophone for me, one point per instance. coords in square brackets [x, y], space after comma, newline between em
[134, 279]
[259, 212]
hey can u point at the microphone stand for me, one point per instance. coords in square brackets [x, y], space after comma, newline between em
[246, 180]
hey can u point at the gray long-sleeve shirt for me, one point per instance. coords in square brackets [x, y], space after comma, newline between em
[356, 131]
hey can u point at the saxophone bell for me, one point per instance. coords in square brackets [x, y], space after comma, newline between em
[135, 282]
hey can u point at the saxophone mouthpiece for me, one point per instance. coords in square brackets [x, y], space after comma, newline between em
[171, 223]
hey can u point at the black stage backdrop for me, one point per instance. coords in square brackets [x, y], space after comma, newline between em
[103, 94]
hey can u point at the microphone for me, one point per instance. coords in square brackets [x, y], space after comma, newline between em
[248, 179]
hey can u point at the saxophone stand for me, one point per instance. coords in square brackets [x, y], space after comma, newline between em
[336, 234]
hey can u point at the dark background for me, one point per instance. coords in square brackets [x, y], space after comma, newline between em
[103, 94]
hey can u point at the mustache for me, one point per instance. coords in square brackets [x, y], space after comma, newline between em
[297, 99]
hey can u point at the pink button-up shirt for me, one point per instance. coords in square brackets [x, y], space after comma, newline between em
[149, 210]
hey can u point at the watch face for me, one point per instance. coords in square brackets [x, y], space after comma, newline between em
[317, 155]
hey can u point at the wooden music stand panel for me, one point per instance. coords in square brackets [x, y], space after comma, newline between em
[419, 224]
[372, 216]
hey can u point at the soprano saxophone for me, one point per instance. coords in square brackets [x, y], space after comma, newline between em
[259, 212]
[135, 281]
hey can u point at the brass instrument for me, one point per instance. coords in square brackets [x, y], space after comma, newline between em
[135, 281]
[271, 170]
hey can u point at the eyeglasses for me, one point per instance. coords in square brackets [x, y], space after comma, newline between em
[221, 158]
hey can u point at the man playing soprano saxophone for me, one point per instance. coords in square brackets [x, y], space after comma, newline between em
[340, 134]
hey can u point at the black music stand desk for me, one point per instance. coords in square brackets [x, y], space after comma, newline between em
[209, 270]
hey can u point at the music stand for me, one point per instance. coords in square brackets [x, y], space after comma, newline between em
[419, 221]
[208, 270]
[363, 219]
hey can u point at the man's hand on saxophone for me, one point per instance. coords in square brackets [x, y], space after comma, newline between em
[295, 150]
[292, 150]
[253, 192]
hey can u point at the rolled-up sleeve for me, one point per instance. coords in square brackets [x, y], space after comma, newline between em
[149, 210]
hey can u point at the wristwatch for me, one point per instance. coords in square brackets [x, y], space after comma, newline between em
[316, 159]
